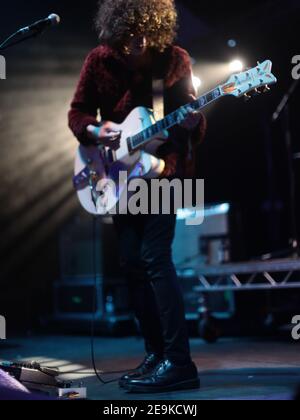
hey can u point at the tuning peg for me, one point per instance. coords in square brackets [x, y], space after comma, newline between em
[247, 97]
[266, 89]
[263, 89]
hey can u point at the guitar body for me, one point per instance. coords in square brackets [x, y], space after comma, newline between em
[97, 179]
[98, 167]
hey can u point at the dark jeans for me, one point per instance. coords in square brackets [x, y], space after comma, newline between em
[146, 258]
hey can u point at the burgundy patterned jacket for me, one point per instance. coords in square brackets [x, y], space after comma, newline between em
[107, 84]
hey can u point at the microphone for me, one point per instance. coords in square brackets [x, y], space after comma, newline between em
[40, 25]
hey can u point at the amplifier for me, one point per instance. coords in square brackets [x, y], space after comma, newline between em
[77, 249]
[81, 299]
[206, 243]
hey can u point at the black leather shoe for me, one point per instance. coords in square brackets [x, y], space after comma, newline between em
[149, 364]
[165, 378]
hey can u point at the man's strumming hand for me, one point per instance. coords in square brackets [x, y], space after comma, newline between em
[107, 134]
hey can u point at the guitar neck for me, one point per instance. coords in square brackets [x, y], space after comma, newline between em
[142, 138]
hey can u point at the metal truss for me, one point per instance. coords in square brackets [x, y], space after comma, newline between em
[257, 275]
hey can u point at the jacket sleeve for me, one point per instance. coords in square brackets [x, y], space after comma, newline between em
[179, 88]
[84, 106]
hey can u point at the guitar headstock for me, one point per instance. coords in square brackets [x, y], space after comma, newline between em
[255, 80]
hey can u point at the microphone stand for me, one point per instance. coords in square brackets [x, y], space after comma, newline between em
[4, 46]
[283, 110]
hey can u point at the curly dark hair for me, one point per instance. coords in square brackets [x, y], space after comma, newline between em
[118, 20]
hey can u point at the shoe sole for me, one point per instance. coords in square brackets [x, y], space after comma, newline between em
[180, 386]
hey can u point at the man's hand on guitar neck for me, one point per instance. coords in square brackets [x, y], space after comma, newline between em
[188, 117]
[107, 135]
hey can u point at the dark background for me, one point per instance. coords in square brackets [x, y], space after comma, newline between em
[243, 159]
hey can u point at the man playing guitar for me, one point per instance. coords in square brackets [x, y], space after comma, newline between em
[137, 45]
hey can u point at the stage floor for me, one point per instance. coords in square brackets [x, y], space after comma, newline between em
[252, 369]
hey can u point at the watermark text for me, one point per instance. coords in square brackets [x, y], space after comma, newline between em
[2, 68]
[159, 196]
[296, 329]
[296, 68]
[2, 328]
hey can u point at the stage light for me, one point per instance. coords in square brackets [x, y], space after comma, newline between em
[236, 65]
[196, 82]
[232, 43]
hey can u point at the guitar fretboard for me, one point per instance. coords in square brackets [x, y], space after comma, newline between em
[140, 139]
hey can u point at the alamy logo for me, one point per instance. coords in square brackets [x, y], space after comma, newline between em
[2, 68]
[296, 69]
[2, 328]
[296, 329]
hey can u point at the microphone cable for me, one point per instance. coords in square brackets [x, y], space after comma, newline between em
[94, 309]
[4, 46]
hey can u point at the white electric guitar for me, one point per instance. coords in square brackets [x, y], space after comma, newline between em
[97, 168]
